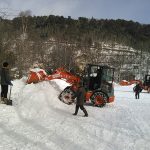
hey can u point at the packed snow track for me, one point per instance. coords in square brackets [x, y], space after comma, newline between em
[39, 121]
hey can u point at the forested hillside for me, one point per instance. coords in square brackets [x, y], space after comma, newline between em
[57, 41]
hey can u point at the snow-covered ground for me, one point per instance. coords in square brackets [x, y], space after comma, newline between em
[39, 121]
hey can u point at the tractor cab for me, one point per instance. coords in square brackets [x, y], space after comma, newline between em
[147, 80]
[98, 77]
[146, 84]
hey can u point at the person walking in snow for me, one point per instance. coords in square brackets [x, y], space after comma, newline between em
[5, 81]
[80, 97]
[137, 89]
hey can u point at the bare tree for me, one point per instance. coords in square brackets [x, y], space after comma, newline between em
[24, 16]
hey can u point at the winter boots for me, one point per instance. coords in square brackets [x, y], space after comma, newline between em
[74, 114]
[2, 100]
[5, 101]
[82, 108]
[85, 112]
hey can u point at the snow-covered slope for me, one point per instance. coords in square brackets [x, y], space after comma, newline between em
[39, 121]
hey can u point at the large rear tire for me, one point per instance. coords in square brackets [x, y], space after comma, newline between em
[67, 96]
[99, 98]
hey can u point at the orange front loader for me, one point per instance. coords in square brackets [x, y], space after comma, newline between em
[97, 80]
[144, 85]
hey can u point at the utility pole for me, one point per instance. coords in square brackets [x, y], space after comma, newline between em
[140, 67]
[147, 67]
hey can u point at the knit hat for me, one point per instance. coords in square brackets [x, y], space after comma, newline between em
[5, 64]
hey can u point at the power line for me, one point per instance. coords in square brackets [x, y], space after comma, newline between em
[8, 13]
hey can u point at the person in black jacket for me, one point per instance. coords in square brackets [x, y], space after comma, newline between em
[5, 81]
[80, 97]
[137, 89]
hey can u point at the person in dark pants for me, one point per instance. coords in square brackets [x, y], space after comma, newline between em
[5, 81]
[137, 89]
[80, 97]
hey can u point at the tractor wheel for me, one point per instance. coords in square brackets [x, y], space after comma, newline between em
[67, 96]
[99, 98]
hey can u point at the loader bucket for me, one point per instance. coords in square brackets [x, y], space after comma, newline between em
[35, 77]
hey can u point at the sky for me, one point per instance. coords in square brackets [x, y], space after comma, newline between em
[136, 10]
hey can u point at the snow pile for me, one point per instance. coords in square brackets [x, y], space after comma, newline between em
[36, 100]
[37, 70]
